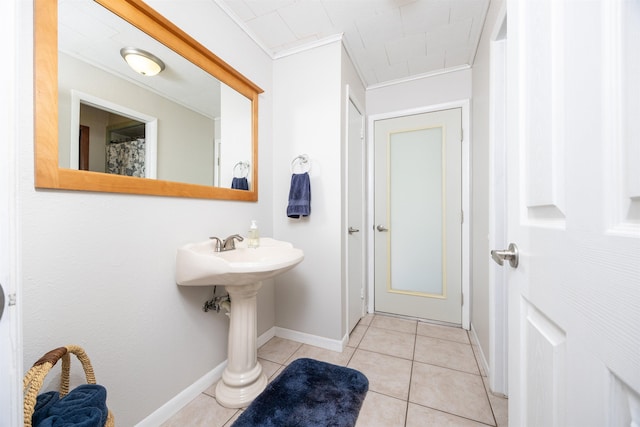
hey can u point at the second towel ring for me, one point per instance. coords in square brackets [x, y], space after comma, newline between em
[241, 170]
[302, 161]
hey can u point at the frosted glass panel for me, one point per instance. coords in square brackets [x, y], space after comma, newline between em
[416, 211]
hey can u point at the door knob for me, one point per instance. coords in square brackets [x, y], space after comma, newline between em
[1, 300]
[510, 254]
[379, 227]
[353, 230]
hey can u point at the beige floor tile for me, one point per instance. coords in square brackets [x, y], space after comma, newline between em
[322, 354]
[448, 354]
[395, 324]
[278, 350]
[387, 375]
[233, 419]
[379, 410]
[499, 405]
[356, 335]
[269, 368]
[455, 392]
[202, 411]
[500, 409]
[389, 342]
[419, 416]
[276, 373]
[443, 332]
[366, 320]
[211, 391]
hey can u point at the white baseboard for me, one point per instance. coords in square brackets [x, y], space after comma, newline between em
[476, 344]
[322, 342]
[262, 339]
[181, 400]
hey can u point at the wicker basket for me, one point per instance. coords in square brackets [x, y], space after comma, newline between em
[35, 377]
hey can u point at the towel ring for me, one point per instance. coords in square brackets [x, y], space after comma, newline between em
[302, 161]
[243, 170]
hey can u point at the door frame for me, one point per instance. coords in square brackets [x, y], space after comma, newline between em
[498, 298]
[11, 123]
[151, 129]
[352, 98]
[463, 104]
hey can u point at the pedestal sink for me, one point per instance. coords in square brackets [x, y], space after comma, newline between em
[241, 271]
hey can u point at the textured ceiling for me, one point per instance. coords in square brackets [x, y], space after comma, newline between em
[388, 40]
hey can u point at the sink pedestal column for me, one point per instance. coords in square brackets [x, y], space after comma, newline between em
[242, 379]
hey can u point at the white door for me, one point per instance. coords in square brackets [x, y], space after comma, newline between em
[355, 221]
[418, 208]
[574, 212]
[10, 331]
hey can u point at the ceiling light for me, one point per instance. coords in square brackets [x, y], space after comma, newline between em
[142, 61]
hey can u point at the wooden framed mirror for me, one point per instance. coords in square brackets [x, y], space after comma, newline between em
[57, 107]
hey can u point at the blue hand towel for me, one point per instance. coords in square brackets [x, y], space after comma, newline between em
[80, 417]
[240, 184]
[44, 402]
[299, 196]
[84, 406]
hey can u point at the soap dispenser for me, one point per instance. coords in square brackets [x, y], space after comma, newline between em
[254, 235]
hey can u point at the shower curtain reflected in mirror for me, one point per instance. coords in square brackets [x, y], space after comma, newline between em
[126, 158]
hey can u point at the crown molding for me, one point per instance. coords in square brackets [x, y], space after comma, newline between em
[419, 76]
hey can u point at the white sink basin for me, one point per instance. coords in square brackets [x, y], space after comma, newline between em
[198, 265]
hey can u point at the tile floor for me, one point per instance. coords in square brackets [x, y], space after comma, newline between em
[419, 374]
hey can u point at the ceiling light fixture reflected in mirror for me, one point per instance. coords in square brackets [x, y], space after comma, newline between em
[142, 61]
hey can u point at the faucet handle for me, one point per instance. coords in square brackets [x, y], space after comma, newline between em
[229, 242]
[218, 246]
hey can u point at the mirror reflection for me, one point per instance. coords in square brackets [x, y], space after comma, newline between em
[180, 125]
[111, 143]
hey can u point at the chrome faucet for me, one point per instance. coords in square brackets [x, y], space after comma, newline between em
[218, 246]
[229, 243]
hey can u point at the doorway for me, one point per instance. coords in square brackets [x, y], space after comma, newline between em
[355, 214]
[420, 238]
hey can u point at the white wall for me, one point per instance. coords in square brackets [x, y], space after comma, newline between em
[419, 93]
[480, 186]
[98, 269]
[307, 88]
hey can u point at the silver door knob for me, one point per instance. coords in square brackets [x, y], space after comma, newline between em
[1, 300]
[353, 230]
[510, 254]
[379, 227]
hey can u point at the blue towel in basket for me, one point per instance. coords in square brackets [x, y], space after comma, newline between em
[84, 406]
[79, 417]
[44, 402]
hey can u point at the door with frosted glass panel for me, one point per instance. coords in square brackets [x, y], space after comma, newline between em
[418, 206]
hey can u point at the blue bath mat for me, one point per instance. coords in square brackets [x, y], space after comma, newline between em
[308, 393]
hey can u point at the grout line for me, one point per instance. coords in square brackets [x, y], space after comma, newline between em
[406, 409]
[451, 413]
